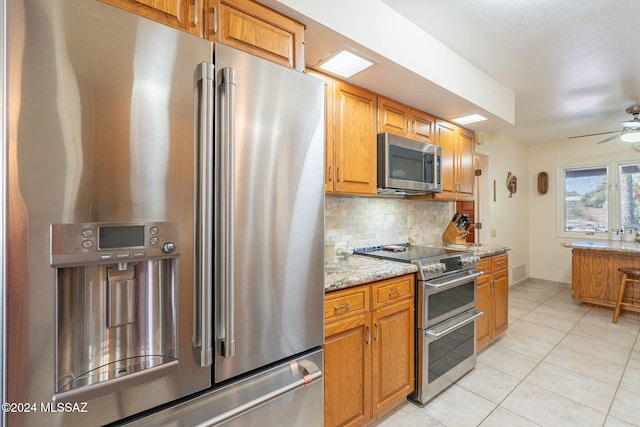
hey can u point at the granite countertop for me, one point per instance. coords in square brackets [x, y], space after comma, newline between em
[606, 245]
[357, 269]
[479, 250]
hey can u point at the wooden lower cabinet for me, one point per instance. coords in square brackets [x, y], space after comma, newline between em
[369, 351]
[347, 371]
[492, 298]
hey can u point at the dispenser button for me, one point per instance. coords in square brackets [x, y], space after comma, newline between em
[105, 256]
[154, 240]
[87, 232]
[168, 247]
[154, 230]
[138, 254]
[123, 255]
[87, 244]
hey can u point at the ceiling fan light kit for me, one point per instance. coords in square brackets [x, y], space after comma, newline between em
[630, 129]
[631, 135]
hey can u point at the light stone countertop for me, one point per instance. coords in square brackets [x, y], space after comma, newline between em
[479, 250]
[606, 245]
[357, 269]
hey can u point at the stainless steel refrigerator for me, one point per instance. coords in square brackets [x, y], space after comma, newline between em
[162, 226]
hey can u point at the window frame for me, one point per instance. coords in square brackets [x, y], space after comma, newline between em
[614, 217]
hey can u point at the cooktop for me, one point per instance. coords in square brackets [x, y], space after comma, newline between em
[404, 252]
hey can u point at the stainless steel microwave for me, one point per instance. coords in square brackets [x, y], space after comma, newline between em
[406, 166]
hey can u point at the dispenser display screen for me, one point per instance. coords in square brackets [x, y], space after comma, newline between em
[121, 236]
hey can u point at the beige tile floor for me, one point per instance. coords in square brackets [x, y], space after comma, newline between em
[559, 364]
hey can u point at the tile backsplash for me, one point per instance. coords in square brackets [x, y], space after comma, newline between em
[370, 221]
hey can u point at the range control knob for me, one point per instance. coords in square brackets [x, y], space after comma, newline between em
[442, 267]
[168, 247]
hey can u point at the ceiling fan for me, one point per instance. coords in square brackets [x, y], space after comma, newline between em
[630, 128]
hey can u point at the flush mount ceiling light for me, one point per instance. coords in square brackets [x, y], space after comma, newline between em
[345, 63]
[471, 118]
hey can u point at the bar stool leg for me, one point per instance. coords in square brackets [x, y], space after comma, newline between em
[623, 285]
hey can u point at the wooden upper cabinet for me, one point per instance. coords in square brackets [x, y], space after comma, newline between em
[466, 169]
[458, 173]
[185, 15]
[399, 119]
[445, 137]
[256, 29]
[393, 117]
[422, 126]
[355, 140]
[329, 128]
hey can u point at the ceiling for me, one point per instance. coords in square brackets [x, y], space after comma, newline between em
[573, 65]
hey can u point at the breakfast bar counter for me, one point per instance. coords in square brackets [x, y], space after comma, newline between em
[595, 275]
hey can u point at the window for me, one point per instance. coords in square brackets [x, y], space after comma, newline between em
[596, 199]
[630, 195]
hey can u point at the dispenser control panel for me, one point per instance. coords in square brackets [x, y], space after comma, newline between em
[100, 243]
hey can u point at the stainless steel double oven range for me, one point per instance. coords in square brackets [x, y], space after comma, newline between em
[445, 313]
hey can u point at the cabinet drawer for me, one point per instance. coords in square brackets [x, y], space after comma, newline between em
[340, 304]
[390, 290]
[499, 262]
[484, 265]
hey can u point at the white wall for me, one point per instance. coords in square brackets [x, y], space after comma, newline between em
[549, 259]
[508, 217]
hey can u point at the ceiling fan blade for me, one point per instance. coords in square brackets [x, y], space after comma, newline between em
[611, 138]
[594, 134]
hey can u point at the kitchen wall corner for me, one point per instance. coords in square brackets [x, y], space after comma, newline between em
[368, 221]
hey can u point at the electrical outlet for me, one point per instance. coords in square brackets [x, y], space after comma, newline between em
[493, 233]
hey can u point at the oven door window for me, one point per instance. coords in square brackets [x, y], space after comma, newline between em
[410, 165]
[449, 351]
[451, 300]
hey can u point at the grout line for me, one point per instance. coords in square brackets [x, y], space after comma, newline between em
[622, 376]
[499, 405]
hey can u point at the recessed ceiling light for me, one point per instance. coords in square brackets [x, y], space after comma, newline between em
[345, 63]
[471, 118]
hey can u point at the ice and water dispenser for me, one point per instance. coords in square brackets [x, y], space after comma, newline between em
[116, 304]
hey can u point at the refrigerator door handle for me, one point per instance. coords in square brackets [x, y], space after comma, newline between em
[203, 316]
[226, 124]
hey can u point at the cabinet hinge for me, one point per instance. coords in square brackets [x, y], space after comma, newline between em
[478, 172]
[478, 226]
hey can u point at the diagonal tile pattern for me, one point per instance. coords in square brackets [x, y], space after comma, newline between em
[559, 364]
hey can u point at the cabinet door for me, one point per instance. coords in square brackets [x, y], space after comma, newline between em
[393, 354]
[257, 29]
[464, 167]
[393, 117]
[422, 126]
[347, 371]
[500, 301]
[329, 129]
[483, 304]
[182, 14]
[446, 138]
[355, 143]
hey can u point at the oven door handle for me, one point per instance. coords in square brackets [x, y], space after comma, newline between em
[446, 327]
[470, 275]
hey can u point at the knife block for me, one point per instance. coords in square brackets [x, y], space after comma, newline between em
[453, 235]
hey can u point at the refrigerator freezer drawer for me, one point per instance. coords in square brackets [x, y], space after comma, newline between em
[290, 394]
